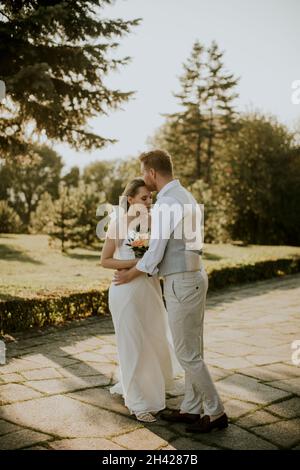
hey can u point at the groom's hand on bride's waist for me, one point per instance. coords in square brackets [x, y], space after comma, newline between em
[122, 276]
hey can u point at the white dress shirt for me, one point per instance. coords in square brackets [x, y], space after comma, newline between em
[162, 225]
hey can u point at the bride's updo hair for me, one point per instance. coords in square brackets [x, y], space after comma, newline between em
[131, 190]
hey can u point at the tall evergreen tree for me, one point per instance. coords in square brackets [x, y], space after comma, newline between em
[55, 55]
[207, 113]
[221, 119]
[191, 121]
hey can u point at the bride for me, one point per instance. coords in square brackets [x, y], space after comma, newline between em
[147, 362]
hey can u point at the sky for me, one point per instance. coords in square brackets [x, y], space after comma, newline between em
[261, 40]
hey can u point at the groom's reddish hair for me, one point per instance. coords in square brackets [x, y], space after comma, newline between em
[159, 160]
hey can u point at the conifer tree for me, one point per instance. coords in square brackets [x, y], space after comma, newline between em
[207, 113]
[64, 216]
[221, 119]
[41, 221]
[87, 198]
[191, 121]
[55, 56]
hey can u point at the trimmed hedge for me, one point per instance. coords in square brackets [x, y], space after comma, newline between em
[257, 271]
[22, 314]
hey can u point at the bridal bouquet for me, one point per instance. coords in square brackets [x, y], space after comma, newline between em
[139, 243]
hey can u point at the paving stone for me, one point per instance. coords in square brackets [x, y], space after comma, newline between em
[259, 360]
[17, 365]
[236, 408]
[266, 342]
[141, 439]
[188, 444]
[48, 361]
[88, 369]
[290, 385]
[6, 427]
[41, 374]
[101, 398]
[68, 385]
[287, 408]
[63, 416]
[36, 448]
[236, 438]
[90, 343]
[273, 372]
[75, 349]
[85, 444]
[249, 389]
[255, 419]
[231, 363]
[233, 437]
[92, 357]
[217, 373]
[162, 430]
[11, 378]
[105, 349]
[19, 439]
[232, 348]
[10, 393]
[283, 433]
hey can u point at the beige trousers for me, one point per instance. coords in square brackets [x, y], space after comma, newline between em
[185, 296]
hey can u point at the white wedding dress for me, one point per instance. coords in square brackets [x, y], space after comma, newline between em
[147, 361]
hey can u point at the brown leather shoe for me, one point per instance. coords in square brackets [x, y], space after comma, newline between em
[174, 416]
[205, 425]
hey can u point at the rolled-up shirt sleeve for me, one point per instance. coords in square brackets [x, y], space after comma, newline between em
[162, 225]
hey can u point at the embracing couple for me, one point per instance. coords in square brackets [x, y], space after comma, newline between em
[155, 342]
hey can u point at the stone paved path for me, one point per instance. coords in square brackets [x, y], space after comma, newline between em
[54, 387]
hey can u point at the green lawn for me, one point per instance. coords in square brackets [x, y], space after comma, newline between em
[29, 267]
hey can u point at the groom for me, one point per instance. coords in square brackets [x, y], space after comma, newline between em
[185, 287]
